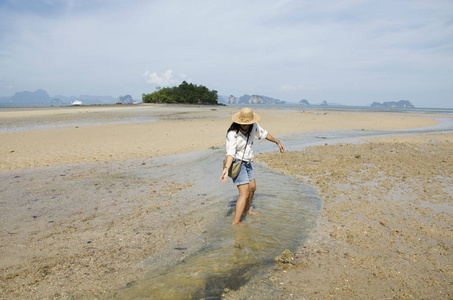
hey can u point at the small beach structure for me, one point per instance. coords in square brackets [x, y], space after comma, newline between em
[76, 102]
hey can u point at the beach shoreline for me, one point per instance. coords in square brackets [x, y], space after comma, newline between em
[328, 265]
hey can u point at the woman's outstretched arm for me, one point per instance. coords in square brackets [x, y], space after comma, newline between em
[269, 137]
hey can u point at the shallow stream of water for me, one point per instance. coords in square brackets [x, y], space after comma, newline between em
[226, 256]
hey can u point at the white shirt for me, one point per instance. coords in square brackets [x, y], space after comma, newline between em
[235, 142]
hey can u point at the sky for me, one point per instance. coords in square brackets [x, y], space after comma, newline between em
[352, 52]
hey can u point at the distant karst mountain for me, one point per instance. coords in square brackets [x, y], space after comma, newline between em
[253, 99]
[41, 98]
[27, 97]
[126, 100]
[257, 99]
[304, 102]
[393, 104]
[36, 98]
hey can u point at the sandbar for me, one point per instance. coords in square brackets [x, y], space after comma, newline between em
[385, 230]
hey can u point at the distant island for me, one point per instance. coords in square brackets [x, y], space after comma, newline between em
[305, 102]
[253, 99]
[393, 104]
[41, 98]
[389, 104]
[186, 93]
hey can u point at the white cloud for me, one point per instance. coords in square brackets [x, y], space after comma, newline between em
[165, 79]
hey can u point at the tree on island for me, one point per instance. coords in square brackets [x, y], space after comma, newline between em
[184, 93]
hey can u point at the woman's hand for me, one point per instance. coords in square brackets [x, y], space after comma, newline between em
[282, 149]
[224, 176]
[228, 162]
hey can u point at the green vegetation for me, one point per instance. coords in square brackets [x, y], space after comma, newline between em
[184, 93]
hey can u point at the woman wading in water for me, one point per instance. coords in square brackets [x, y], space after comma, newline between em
[239, 142]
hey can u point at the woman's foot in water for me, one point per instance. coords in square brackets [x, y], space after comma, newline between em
[239, 224]
[253, 213]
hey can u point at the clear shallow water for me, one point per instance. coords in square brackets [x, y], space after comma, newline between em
[27, 126]
[226, 256]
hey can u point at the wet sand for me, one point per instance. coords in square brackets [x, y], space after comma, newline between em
[381, 222]
[386, 228]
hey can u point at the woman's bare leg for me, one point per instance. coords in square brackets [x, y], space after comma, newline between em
[252, 189]
[244, 192]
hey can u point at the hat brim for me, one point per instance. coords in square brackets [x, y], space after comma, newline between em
[237, 120]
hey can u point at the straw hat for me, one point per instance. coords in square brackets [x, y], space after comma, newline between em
[245, 117]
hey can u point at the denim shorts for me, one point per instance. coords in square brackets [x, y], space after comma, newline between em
[245, 175]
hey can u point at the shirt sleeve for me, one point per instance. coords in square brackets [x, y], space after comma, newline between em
[260, 132]
[231, 143]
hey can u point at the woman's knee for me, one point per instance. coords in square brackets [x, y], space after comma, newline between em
[244, 195]
[244, 191]
[252, 186]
